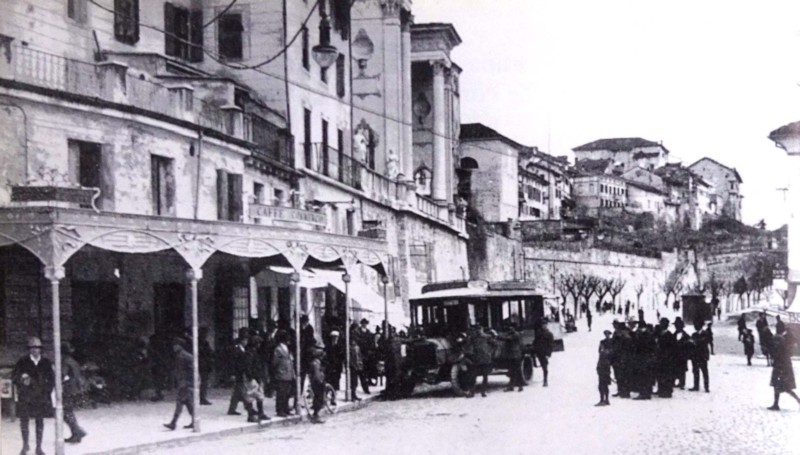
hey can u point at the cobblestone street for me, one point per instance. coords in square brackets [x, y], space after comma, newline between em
[559, 419]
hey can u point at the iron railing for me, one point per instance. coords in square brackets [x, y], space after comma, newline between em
[330, 162]
[83, 78]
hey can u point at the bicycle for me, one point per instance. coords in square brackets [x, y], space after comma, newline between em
[330, 403]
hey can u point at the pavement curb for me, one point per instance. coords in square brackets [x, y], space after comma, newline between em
[191, 437]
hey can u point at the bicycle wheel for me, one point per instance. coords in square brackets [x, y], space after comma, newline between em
[331, 403]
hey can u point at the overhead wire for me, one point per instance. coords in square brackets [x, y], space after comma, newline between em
[221, 13]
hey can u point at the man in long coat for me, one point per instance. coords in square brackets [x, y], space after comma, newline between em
[665, 352]
[184, 377]
[782, 380]
[34, 378]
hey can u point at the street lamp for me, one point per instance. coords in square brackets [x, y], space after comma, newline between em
[385, 281]
[325, 54]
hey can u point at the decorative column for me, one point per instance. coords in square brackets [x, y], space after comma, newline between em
[439, 190]
[385, 281]
[55, 274]
[294, 279]
[407, 153]
[194, 275]
[347, 372]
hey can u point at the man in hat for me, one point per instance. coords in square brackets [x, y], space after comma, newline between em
[605, 351]
[665, 352]
[543, 346]
[34, 379]
[700, 356]
[307, 342]
[782, 380]
[513, 354]
[683, 351]
[283, 373]
[184, 376]
[366, 343]
[317, 378]
[335, 355]
[749, 343]
[239, 366]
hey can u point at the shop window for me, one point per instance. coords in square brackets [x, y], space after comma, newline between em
[126, 21]
[231, 37]
[241, 308]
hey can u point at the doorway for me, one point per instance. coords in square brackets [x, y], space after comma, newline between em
[168, 308]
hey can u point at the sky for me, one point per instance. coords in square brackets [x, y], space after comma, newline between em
[705, 77]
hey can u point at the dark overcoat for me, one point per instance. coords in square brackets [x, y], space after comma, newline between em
[34, 400]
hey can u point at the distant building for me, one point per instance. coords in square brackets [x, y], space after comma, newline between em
[689, 196]
[726, 181]
[624, 152]
[553, 170]
[600, 193]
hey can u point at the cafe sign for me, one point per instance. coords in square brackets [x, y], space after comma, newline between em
[272, 212]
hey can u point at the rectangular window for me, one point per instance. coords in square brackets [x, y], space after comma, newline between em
[230, 39]
[176, 27]
[229, 196]
[277, 196]
[325, 155]
[76, 10]
[162, 185]
[306, 49]
[351, 222]
[126, 21]
[241, 308]
[341, 89]
[86, 165]
[258, 193]
[307, 137]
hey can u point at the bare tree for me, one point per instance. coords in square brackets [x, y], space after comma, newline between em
[603, 288]
[575, 285]
[639, 290]
[715, 286]
[590, 288]
[672, 284]
[616, 289]
[564, 286]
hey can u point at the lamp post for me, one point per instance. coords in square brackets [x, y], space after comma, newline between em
[347, 372]
[325, 54]
[385, 281]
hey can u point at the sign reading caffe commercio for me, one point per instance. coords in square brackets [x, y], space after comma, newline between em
[287, 214]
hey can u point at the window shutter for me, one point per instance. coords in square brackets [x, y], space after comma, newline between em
[196, 36]
[170, 41]
[235, 197]
[222, 195]
[340, 87]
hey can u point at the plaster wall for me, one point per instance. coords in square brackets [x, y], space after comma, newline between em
[494, 183]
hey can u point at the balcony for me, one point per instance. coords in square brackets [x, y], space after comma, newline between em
[113, 82]
[328, 161]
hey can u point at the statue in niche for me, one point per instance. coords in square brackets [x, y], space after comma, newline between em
[392, 165]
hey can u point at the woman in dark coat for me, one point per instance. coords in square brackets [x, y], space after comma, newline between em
[782, 373]
[34, 379]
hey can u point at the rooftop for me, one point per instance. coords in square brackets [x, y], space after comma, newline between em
[732, 169]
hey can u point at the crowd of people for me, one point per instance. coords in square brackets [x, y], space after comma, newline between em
[642, 356]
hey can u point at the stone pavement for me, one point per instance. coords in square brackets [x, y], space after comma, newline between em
[131, 427]
[559, 419]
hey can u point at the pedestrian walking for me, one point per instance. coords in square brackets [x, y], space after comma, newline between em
[543, 347]
[254, 381]
[710, 336]
[356, 367]
[640, 313]
[34, 379]
[316, 377]
[700, 356]
[589, 319]
[749, 345]
[782, 380]
[335, 357]
[741, 324]
[513, 352]
[605, 352]
[766, 345]
[780, 327]
[206, 361]
[184, 376]
[307, 342]
[283, 374]
[73, 391]
[239, 367]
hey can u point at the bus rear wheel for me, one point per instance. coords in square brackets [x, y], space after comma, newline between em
[460, 380]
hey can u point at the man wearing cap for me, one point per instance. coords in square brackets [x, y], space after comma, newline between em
[317, 379]
[605, 351]
[184, 377]
[335, 355]
[700, 356]
[34, 378]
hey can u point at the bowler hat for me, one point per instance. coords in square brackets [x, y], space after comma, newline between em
[34, 342]
[606, 332]
[365, 321]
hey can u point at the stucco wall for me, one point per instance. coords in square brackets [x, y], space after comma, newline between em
[494, 183]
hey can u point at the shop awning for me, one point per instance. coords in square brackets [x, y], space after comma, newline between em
[307, 278]
[365, 300]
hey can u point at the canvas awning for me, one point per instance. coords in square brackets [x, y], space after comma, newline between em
[307, 278]
[365, 300]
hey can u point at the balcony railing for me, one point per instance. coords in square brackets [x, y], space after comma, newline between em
[329, 162]
[427, 206]
[113, 82]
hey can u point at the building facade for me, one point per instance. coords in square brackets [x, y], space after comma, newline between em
[624, 152]
[727, 183]
[181, 167]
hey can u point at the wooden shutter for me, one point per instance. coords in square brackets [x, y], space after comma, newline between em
[235, 197]
[340, 87]
[154, 185]
[196, 35]
[170, 40]
[222, 195]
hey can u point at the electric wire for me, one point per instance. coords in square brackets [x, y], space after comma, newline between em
[221, 13]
